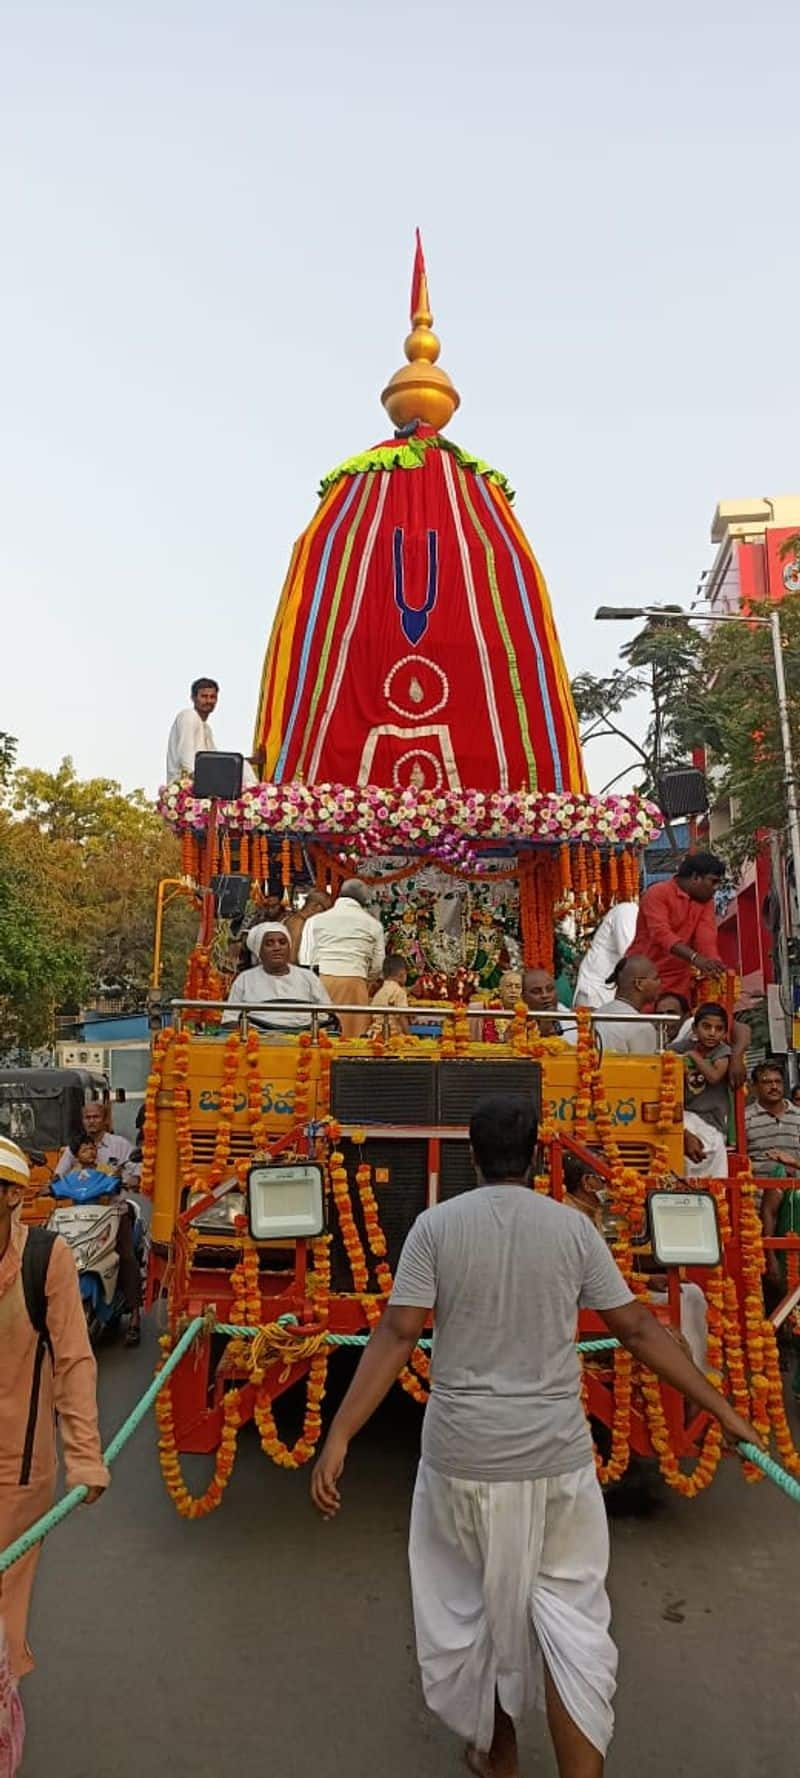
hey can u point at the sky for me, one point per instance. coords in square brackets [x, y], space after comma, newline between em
[208, 216]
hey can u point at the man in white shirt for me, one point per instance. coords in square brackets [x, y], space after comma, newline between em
[274, 979]
[191, 731]
[191, 734]
[638, 986]
[613, 938]
[540, 995]
[347, 946]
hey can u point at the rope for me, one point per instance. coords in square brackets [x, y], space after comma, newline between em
[354, 1339]
[293, 1350]
[69, 1501]
[779, 1476]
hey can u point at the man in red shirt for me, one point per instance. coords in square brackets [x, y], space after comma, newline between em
[677, 928]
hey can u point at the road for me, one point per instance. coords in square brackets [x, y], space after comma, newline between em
[262, 1643]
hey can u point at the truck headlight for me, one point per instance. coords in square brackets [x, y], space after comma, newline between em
[285, 1203]
[220, 1217]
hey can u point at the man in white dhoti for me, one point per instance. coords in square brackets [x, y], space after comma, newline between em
[509, 1545]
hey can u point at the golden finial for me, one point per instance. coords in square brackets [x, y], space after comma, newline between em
[420, 391]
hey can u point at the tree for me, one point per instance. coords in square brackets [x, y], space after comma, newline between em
[68, 808]
[664, 662]
[736, 719]
[79, 865]
[40, 968]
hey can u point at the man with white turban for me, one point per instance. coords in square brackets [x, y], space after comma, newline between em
[347, 946]
[275, 980]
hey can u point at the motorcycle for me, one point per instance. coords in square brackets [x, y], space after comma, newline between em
[91, 1229]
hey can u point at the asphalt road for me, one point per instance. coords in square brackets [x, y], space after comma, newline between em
[261, 1643]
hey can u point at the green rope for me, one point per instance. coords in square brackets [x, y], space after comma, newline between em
[779, 1476]
[361, 1339]
[68, 1503]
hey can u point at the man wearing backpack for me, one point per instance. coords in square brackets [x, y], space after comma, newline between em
[46, 1369]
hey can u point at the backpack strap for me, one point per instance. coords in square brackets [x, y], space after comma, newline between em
[35, 1262]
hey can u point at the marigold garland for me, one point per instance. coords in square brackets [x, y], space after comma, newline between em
[191, 1506]
[155, 1078]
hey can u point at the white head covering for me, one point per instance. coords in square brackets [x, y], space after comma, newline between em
[256, 934]
[14, 1169]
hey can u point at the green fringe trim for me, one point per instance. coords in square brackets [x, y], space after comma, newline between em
[409, 453]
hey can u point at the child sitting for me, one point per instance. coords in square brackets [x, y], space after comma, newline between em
[392, 992]
[706, 1052]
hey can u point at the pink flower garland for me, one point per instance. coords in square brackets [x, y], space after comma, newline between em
[447, 824]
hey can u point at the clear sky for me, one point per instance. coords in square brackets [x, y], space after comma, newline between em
[207, 216]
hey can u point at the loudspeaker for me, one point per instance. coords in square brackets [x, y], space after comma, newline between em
[456, 1172]
[682, 792]
[230, 897]
[462, 1084]
[218, 775]
[383, 1091]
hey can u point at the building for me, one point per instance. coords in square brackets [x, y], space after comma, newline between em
[748, 565]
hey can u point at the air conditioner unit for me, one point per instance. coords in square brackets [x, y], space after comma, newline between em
[82, 1055]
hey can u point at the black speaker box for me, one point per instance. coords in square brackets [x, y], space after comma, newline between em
[230, 897]
[383, 1091]
[462, 1084]
[218, 775]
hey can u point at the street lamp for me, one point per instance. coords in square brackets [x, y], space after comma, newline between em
[622, 613]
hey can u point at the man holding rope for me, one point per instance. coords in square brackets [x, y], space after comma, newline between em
[45, 1369]
[509, 1544]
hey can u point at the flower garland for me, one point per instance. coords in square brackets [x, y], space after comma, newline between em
[586, 1056]
[192, 1506]
[150, 1127]
[373, 819]
[302, 1082]
[273, 1446]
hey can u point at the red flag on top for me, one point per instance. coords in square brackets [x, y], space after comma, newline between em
[420, 301]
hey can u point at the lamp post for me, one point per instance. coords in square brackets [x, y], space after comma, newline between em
[622, 613]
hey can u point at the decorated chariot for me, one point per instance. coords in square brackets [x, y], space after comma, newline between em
[417, 729]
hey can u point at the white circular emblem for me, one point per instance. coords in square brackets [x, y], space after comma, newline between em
[421, 685]
[417, 776]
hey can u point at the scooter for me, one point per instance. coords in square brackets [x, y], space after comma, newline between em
[91, 1228]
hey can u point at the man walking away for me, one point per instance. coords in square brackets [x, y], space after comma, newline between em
[509, 1543]
[347, 947]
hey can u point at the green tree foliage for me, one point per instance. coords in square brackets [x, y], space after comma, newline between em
[663, 664]
[735, 714]
[80, 861]
[712, 688]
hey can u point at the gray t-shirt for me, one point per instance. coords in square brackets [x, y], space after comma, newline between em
[712, 1103]
[506, 1270]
